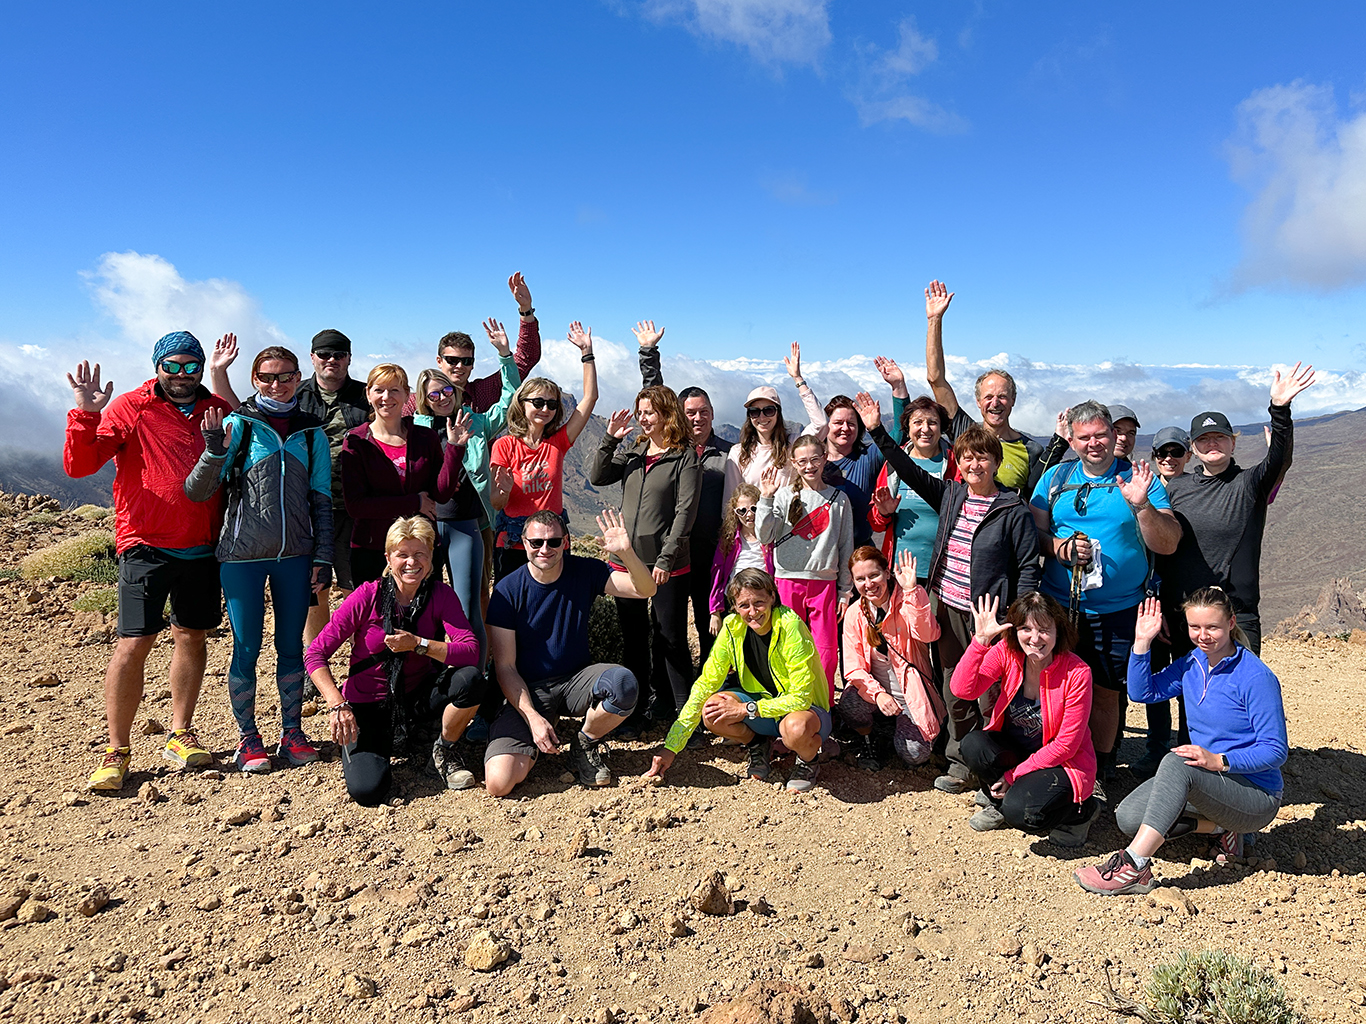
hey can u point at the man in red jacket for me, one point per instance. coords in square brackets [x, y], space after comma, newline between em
[164, 540]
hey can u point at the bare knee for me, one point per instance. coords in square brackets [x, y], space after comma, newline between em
[799, 725]
[503, 772]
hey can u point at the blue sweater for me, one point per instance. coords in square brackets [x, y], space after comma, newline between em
[1235, 710]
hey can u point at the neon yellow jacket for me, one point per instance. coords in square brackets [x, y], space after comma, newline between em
[792, 659]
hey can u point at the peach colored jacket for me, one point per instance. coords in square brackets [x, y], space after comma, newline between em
[908, 628]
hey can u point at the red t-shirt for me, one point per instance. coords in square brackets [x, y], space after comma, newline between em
[537, 473]
[398, 455]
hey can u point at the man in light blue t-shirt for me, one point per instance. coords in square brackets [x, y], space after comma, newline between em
[1124, 509]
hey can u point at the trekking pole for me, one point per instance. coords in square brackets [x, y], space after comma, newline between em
[1078, 576]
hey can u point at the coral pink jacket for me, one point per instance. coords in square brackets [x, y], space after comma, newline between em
[1064, 699]
[908, 628]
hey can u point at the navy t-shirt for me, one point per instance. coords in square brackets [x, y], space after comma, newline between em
[550, 619]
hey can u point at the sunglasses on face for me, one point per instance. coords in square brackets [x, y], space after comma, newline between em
[536, 543]
[543, 403]
[440, 393]
[458, 360]
[1171, 453]
[745, 510]
[283, 378]
[189, 369]
[756, 411]
[328, 355]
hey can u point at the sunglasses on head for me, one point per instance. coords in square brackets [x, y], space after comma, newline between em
[755, 411]
[536, 543]
[190, 368]
[1170, 453]
[544, 403]
[458, 360]
[327, 355]
[283, 378]
[445, 392]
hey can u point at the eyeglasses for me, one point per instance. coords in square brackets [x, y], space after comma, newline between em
[189, 369]
[1170, 453]
[745, 510]
[458, 360]
[756, 411]
[327, 355]
[536, 543]
[445, 392]
[543, 403]
[807, 463]
[283, 378]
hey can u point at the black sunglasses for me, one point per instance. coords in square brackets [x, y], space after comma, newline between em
[1170, 453]
[283, 378]
[544, 403]
[189, 369]
[327, 355]
[755, 411]
[458, 360]
[536, 543]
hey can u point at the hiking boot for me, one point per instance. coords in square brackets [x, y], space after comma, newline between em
[1118, 876]
[865, 754]
[803, 776]
[586, 756]
[760, 750]
[1228, 847]
[295, 748]
[109, 776]
[987, 819]
[1146, 766]
[830, 750]
[448, 766]
[183, 748]
[1071, 836]
[251, 754]
[950, 783]
[981, 799]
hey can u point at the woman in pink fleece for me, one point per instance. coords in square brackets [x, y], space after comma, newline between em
[887, 633]
[1034, 757]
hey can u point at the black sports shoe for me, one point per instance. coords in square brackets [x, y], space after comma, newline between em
[760, 757]
[803, 776]
[865, 754]
[589, 764]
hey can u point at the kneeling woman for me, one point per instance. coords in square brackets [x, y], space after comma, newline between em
[1227, 781]
[412, 671]
[1034, 756]
[781, 685]
[887, 633]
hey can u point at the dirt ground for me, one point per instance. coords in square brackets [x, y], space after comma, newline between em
[214, 896]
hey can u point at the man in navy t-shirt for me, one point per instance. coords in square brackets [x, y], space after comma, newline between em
[538, 632]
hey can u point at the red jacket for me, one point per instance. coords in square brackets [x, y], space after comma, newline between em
[1064, 699]
[154, 446]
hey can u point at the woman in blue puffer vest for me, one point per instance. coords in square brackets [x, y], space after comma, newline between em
[276, 465]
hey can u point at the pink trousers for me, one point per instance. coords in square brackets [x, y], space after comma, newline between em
[817, 602]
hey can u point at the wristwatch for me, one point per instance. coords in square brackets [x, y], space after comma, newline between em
[423, 644]
[1223, 761]
[752, 709]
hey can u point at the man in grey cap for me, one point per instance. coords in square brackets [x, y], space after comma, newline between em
[1125, 422]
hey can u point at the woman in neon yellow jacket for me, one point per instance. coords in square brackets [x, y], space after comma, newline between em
[762, 680]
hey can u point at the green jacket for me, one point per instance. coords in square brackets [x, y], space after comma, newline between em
[792, 658]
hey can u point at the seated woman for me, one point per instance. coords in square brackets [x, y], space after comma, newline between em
[887, 633]
[1034, 756]
[412, 669]
[781, 686]
[1227, 781]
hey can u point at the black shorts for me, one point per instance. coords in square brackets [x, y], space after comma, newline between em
[1104, 642]
[562, 695]
[147, 577]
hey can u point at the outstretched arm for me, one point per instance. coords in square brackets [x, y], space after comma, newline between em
[651, 375]
[582, 339]
[223, 355]
[937, 299]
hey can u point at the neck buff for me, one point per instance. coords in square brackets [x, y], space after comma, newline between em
[274, 408]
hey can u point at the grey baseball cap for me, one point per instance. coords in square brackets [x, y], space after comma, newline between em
[1122, 412]
[1171, 435]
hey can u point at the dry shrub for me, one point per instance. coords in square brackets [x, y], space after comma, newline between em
[1210, 987]
[42, 519]
[6, 508]
[93, 513]
[104, 600]
[87, 557]
[604, 631]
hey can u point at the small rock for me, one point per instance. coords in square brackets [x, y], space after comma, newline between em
[628, 920]
[94, 901]
[238, 815]
[463, 1002]
[578, 845]
[861, 955]
[566, 776]
[34, 912]
[813, 960]
[1166, 896]
[761, 906]
[15, 728]
[1300, 861]
[152, 727]
[1268, 865]
[603, 1016]
[711, 896]
[309, 709]
[486, 951]
[9, 905]
[676, 926]
[209, 903]
[190, 798]
[1032, 954]
[72, 799]
[148, 793]
[358, 987]
[1008, 947]
[46, 679]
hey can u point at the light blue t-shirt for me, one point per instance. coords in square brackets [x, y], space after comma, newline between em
[917, 522]
[1105, 516]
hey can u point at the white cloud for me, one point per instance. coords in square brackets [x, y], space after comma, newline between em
[1306, 165]
[775, 32]
[880, 93]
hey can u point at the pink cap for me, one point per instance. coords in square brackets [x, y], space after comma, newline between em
[764, 393]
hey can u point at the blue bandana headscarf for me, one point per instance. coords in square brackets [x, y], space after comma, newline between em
[182, 342]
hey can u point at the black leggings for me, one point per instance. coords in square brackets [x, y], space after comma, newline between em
[1036, 803]
[663, 622]
[366, 763]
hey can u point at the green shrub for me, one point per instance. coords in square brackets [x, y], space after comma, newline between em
[604, 631]
[1214, 987]
[10, 573]
[42, 519]
[104, 600]
[87, 557]
[94, 513]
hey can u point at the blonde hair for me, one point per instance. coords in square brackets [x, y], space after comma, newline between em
[383, 373]
[517, 425]
[417, 528]
[1218, 599]
[424, 381]
[730, 523]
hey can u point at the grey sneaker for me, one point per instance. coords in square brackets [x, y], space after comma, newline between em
[1072, 836]
[448, 766]
[951, 783]
[987, 819]
[981, 799]
[760, 750]
[589, 764]
[803, 776]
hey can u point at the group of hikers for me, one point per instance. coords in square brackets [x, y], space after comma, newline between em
[1018, 593]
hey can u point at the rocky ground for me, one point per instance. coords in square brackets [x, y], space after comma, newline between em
[208, 896]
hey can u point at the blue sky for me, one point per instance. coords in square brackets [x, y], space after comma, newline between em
[1168, 184]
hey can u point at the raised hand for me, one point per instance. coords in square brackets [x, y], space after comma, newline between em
[1135, 489]
[984, 624]
[214, 420]
[224, 353]
[459, 428]
[906, 570]
[891, 373]
[645, 333]
[498, 337]
[520, 292]
[768, 482]
[581, 338]
[1284, 389]
[614, 539]
[793, 362]
[886, 502]
[1149, 622]
[937, 299]
[85, 388]
[426, 504]
[868, 410]
[503, 481]
[1060, 427]
[620, 423]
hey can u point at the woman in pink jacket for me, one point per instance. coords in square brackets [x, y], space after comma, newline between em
[887, 660]
[1034, 756]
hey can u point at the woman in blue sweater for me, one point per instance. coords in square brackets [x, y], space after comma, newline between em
[1229, 773]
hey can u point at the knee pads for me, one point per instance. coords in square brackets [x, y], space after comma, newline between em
[616, 691]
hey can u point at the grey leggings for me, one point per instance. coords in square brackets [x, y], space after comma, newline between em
[1226, 799]
[907, 739]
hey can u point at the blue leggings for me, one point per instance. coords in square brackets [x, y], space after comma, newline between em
[460, 544]
[244, 588]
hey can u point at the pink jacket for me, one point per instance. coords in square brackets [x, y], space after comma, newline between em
[1064, 699]
[722, 565]
[908, 627]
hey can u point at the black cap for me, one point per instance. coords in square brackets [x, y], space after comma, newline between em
[1211, 423]
[331, 341]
